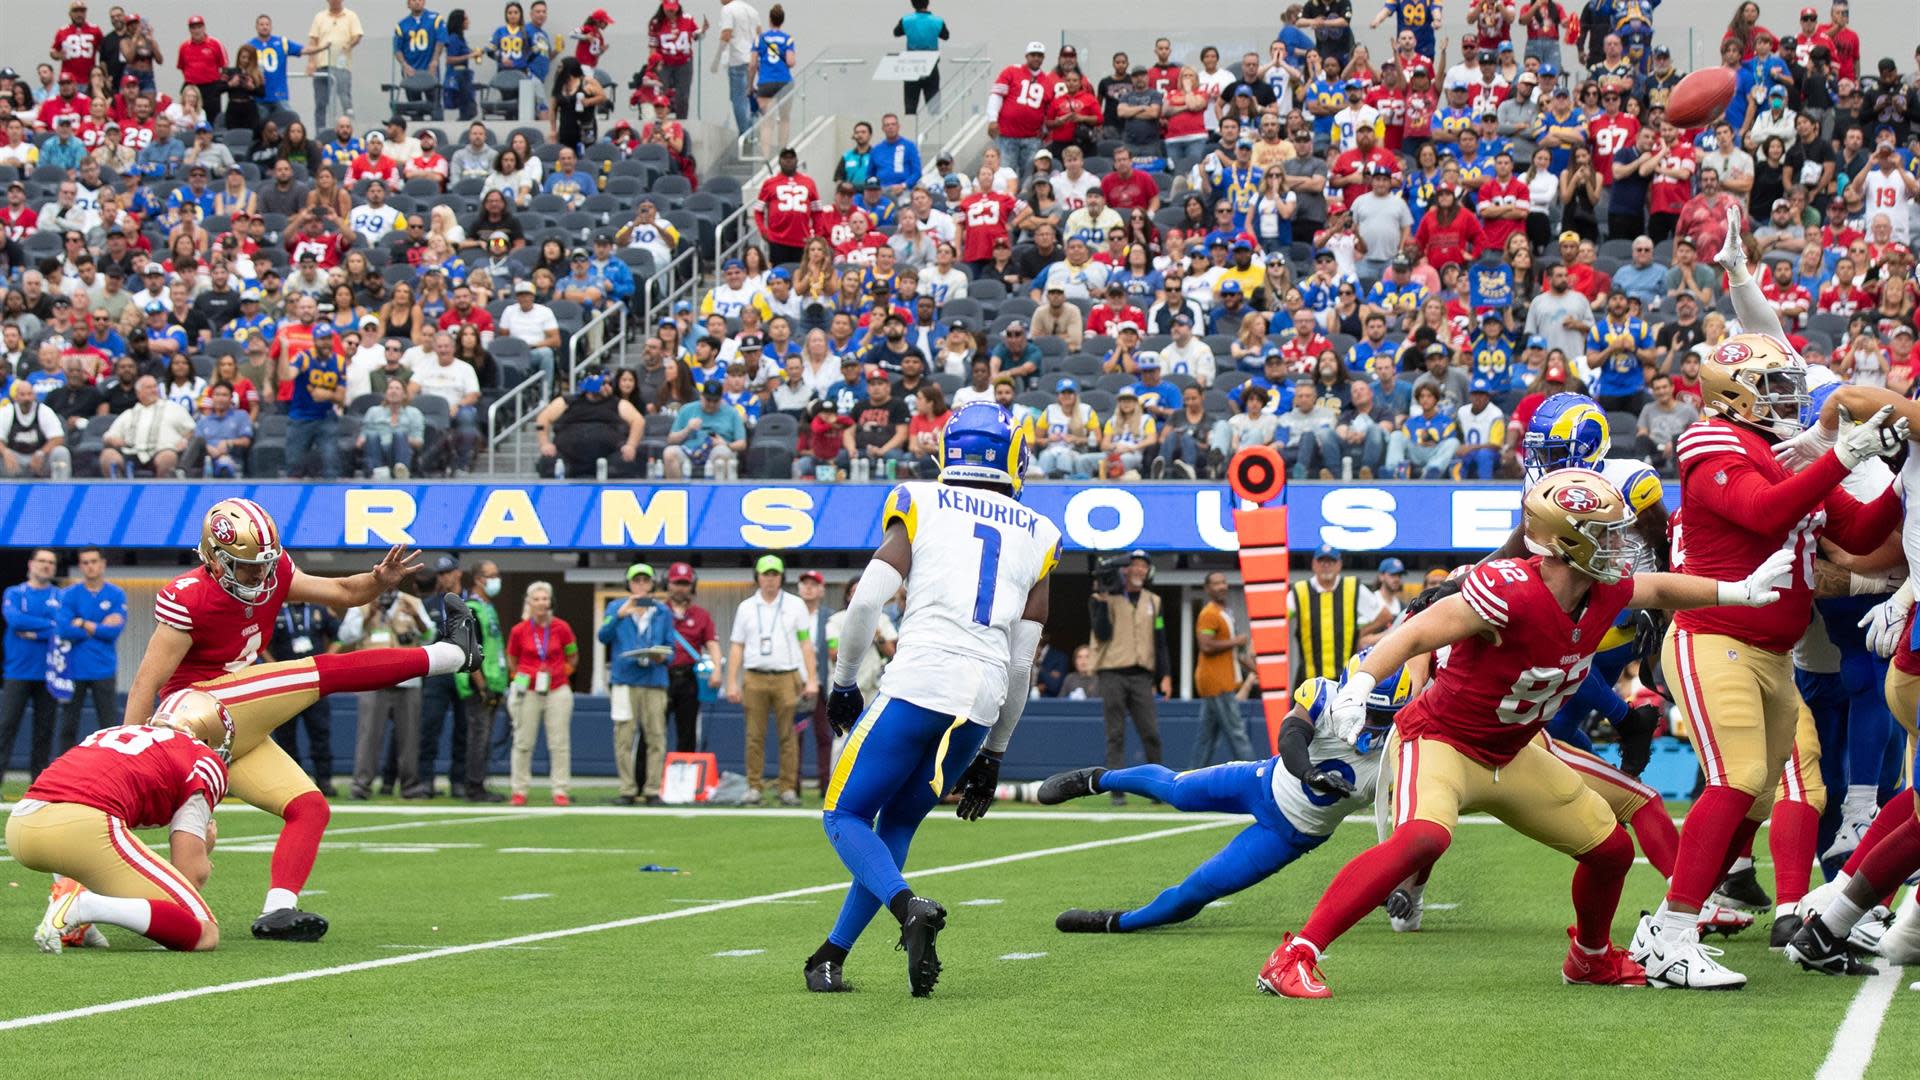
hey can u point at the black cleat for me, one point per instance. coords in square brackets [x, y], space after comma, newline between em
[1082, 921]
[827, 977]
[1741, 889]
[925, 920]
[1784, 929]
[1816, 948]
[290, 924]
[461, 627]
[1077, 784]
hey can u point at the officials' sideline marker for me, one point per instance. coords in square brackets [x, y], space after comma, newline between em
[523, 940]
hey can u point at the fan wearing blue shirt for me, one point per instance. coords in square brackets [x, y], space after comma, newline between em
[1360, 355]
[93, 612]
[1493, 350]
[896, 160]
[274, 52]
[510, 46]
[416, 38]
[31, 609]
[851, 390]
[638, 632]
[1619, 347]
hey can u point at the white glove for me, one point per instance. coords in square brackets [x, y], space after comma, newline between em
[1732, 256]
[1347, 712]
[1879, 436]
[1885, 622]
[1805, 448]
[1762, 586]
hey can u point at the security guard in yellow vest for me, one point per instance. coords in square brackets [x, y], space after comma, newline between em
[1330, 612]
[1129, 658]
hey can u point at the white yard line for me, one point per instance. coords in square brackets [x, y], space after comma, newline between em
[1853, 1043]
[356, 829]
[551, 935]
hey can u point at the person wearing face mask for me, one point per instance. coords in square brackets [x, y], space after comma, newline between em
[595, 424]
[483, 690]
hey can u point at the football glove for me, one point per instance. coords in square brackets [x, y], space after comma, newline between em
[976, 786]
[1347, 712]
[1328, 783]
[844, 706]
[1636, 737]
[1762, 586]
[1399, 903]
[1886, 622]
[1805, 448]
[1879, 436]
[1732, 256]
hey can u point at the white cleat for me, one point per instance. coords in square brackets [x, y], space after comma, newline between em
[1901, 942]
[1871, 930]
[1819, 898]
[1725, 921]
[1404, 908]
[1679, 961]
[1853, 829]
[54, 923]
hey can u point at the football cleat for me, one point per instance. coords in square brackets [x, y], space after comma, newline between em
[1819, 898]
[1292, 971]
[1724, 921]
[289, 924]
[461, 627]
[1871, 930]
[1784, 927]
[1404, 908]
[78, 935]
[925, 919]
[1901, 942]
[1853, 829]
[1082, 921]
[1077, 784]
[1741, 889]
[827, 977]
[51, 933]
[1679, 961]
[1817, 948]
[1610, 968]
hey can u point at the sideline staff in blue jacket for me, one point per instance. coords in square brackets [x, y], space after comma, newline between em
[638, 632]
[93, 612]
[31, 609]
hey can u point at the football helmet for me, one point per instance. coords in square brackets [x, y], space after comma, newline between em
[240, 546]
[1392, 691]
[1566, 430]
[1578, 516]
[1757, 381]
[982, 444]
[199, 714]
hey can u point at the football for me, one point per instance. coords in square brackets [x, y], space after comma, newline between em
[1699, 98]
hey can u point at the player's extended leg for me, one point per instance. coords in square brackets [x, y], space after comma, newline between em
[1823, 943]
[1253, 856]
[1793, 834]
[124, 883]
[1233, 788]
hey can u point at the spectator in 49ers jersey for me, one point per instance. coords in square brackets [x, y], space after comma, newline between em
[982, 220]
[786, 210]
[1017, 109]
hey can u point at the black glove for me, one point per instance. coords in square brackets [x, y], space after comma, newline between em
[1399, 903]
[977, 785]
[1329, 783]
[1636, 737]
[844, 706]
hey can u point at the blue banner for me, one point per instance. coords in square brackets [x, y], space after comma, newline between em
[1490, 287]
[473, 516]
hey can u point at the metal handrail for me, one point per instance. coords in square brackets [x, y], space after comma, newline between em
[614, 343]
[517, 407]
[668, 282]
[748, 147]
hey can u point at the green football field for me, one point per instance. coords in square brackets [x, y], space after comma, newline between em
[491, 942]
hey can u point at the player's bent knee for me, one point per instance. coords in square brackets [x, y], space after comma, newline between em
[209, 936]
[1749, 778]
[1424, 840]
[1612, 855]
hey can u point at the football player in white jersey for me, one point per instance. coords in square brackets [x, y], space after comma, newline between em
[975, 564]
[1296, 799]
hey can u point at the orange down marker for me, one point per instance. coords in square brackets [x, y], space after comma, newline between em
[1258, 475]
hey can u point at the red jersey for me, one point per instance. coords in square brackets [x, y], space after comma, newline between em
[135, 136]
[1352, 161]
[227, 634]
[141, 775]
[1023, 98]
[1837, 299]
[1846, 50]
[840, 227]
[476, 316]
[1164, 78]
[1301, 354]
[368, 167]
[785, 209]
[1666, 195]
[1791, 295]
[987, 217]
[1124, 193]
[328, 248]
[56, 106]
[1488, 698]
[1391, 103]
[18, 224]
[1453, 243]
[1740, 506]
[1064, 105]
[78, 48]
[1608, 135]
[1504, 194]
[673, 40]
[200, 61]
[1107, 319]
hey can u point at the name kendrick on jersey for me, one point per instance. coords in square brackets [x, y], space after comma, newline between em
[1018, 517]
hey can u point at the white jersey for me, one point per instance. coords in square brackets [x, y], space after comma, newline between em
[976, 556]
[1310, 811]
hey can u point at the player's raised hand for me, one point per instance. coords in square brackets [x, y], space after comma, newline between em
[1762, 587]
[1805, 448]
[1732, 255]
[1879, 436]
[400, 564]
[1328, 783]
[1347, 714]
[1886, 622]
[976, 786]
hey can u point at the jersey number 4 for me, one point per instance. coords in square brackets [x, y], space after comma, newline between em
[989, 572]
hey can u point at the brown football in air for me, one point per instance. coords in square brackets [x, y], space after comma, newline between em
[1700, 97]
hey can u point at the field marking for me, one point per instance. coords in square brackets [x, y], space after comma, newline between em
[522, 940]
[980, 903]
[702, 900]
[740, 952]
[1859, 1030]
[1023, 956]
[529, 896]
[357, 829]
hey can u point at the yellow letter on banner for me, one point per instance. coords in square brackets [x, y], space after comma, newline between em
[624, 524]
[776, 518]
[379, 515]
[508, 515]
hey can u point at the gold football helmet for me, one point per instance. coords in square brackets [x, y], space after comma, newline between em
[1758, 381]
[240, 546]
[1578, 516]
[199, 714]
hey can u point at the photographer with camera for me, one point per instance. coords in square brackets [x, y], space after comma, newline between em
[1129, 654]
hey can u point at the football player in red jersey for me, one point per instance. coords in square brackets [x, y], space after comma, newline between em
[76, 822]
[1519, 638]
[212, 624]
[1732, 668]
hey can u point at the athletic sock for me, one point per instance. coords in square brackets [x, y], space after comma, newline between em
[444, 658]
[827, 951]
[1894, 858]
[1739, 863]
[898, 904]
[1658, 837]
[1744, 832]
[1861, 799]
[1597, 881]
[128, 913]
[1841, 915]
[171, 925]
[369, 669]
[1365, 882]
[1705, 842]
[299, 843]
[1898, 809]
[1792, 838]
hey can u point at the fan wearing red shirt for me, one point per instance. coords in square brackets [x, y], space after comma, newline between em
[1389, 98]
[1127, 187]
[1846, 43]
[202, 61]
[328, 248]
[18, 220]
[1788, 297]
[1110, 315]
[1072, 104]
[1350, 167]
[77, 45]
[374, 163]
[1449, 233]
[1672, 183]
[465, 312]
[1503, 204]
[1304, 345]
[69, 101]
[1164, 74]
[1840, 296]
[671, 33]
[1611, 132]
[1017, 104]
[984, 219]
[787, 210]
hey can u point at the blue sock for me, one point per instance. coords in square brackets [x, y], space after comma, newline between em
[1247, 860]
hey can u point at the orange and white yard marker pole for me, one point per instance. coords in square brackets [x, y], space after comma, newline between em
[1258, 475]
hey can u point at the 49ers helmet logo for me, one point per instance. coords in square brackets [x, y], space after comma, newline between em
[1577, 500]
[1733, 352]
[223, 531]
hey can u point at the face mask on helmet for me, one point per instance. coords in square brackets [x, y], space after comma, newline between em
[1603, 550]
[1574, 435]
[1779, 401]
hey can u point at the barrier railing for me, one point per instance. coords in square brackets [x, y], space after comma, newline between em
[603, 337]
[507, 418]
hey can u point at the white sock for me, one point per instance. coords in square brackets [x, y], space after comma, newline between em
[1584, 951]
[1840, 881]
[1742, 863]
[281, 898]
[1677, 923]
[443, 658]
[1785, 909]
[1862, 800]
[1841, 915]
[1310, 947]
[123, 911]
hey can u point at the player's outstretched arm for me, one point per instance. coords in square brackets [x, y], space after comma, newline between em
[878, 583]
[1680, 592]
[1446, 622]
[399, 564]
[165, 649]
[1749, 303]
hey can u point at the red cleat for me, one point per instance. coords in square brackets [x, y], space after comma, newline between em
[1611, 968]
[1725, 921]
[562, 800]
[517, 800]
[1293, 971]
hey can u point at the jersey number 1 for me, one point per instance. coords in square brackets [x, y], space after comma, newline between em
[989, 572]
